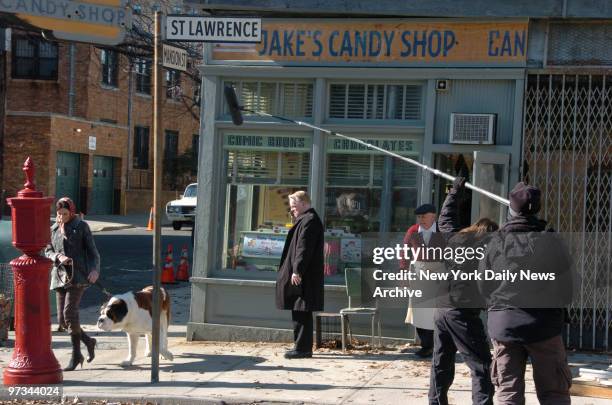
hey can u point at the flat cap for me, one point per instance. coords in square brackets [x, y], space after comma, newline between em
[425, 209]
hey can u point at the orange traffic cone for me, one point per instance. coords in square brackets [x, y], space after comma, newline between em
[183, 269]
[150, 224]
[167, 276]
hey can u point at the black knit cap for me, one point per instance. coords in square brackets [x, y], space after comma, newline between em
[525, 199]
[425, 209]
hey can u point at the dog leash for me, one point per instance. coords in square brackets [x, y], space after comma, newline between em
[97, 284]
[103, 289]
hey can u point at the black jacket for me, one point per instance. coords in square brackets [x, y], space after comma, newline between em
[302, 255]
[459, 293]
[526, 311]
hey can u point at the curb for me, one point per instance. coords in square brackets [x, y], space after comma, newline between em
[140, 399]
[154, 399]
[114, 227]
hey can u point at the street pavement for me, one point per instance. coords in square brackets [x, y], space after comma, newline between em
[126, 257]
[241, 373]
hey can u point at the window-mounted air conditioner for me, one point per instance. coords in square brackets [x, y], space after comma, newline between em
[472, 128]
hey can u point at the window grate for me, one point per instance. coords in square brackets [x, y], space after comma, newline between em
[34, 59]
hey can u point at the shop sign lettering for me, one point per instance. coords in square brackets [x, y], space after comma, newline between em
[267, 142]
[400, 41]
[399, 146]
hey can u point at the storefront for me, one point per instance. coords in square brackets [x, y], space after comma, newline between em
[447, 93]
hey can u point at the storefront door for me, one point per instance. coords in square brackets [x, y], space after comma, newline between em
[491, 174]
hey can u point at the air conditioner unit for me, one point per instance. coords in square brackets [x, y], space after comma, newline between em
[472, 128]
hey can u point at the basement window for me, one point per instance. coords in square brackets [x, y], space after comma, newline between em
[34, 58]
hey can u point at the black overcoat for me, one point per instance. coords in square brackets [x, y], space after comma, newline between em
[302, 255]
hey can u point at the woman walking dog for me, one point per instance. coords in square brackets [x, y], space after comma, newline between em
[76, 265]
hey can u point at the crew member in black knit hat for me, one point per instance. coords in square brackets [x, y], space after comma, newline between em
[526, 318]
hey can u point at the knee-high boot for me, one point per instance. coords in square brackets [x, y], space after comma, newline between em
[77, 357]
[90, 343]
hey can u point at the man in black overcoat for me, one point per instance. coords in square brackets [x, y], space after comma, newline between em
[299, 283]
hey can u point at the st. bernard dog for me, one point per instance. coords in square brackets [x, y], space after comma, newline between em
[132, 313]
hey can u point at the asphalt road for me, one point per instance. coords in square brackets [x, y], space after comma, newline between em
[126, 264]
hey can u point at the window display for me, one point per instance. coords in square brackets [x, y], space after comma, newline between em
[262, 171]
[365, 192]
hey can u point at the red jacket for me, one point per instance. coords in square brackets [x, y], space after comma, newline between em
[414, 239]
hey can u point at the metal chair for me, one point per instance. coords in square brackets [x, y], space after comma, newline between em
[352, 278]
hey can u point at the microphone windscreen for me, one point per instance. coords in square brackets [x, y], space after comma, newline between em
[232, 104]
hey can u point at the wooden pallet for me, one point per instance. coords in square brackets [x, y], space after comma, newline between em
[590, 388]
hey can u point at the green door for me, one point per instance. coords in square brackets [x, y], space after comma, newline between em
[67, 176]
[102, 192]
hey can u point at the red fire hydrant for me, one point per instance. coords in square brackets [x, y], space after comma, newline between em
[33, 361]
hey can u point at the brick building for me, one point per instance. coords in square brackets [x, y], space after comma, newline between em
[84, 114]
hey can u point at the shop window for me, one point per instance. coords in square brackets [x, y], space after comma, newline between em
[34, 58]
[143, 75]
[292, 99]
[141, 148]
[262, 171]
[375, 101]
[173, 85]
[110, 67]
[365, 192]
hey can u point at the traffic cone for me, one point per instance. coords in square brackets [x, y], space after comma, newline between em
[150, 224]
[183, 269]
[167, 276]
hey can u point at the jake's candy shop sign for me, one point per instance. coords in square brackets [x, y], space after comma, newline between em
[401, 42]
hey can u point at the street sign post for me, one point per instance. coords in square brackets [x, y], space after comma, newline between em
[157, 190]
[190, 28]
[101, 22]
[174, 58]
[184, 29]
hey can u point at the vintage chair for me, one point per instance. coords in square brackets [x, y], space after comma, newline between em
[352, 277]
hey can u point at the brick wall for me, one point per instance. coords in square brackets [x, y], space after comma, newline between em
[111, 141]
[46, 128]
[26, 136]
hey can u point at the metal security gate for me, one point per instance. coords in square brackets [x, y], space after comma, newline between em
[567, 153]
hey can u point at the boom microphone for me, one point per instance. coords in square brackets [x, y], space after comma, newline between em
[234, 108]
[236, 113]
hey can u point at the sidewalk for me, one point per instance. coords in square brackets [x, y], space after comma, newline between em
[237, 373]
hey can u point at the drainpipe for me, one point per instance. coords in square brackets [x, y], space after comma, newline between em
[129, 124]
[71, 94]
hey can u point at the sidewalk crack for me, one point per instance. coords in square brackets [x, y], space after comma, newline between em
[360, 387]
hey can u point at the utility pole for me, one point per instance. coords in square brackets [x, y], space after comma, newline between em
[157, 189]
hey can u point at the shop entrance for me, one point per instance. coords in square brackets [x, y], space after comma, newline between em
[488, 170]
[102, 192]
[67, 176]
